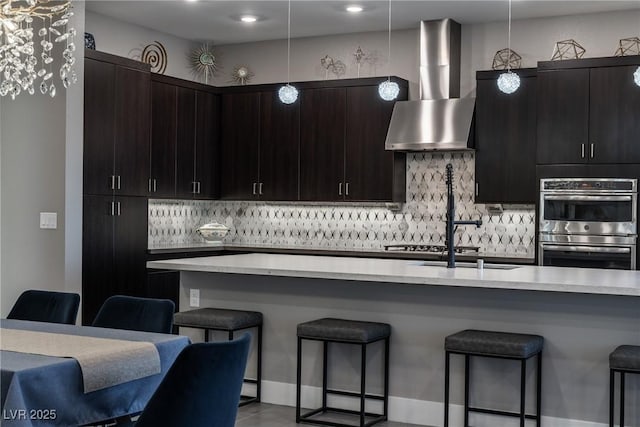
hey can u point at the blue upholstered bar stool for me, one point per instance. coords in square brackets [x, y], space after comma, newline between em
[501, 345]
[344, 332]
[230, 321]
[624, 360]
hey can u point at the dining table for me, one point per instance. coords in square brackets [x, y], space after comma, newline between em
[40, 389]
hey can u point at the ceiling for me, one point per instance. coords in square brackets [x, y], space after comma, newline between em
[217, 21]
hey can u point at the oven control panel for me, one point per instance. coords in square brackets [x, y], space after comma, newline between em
[589, 185]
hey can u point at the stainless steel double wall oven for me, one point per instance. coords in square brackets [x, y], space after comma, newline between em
[588, 222]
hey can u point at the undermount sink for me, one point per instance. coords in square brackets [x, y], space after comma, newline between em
[464, 264]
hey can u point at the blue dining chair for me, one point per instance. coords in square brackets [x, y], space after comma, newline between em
[46, 306]
[202, 388]
[136, 314]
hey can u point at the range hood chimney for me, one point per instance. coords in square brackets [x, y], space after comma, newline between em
[440, 120]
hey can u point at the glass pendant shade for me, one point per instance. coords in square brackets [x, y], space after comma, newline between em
[508, 82]
[636, 76]
[288, 94]
[388, 90]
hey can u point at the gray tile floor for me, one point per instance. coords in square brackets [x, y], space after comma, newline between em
[264, 415]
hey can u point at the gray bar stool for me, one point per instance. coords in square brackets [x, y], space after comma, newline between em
[217, 319]
[344, 332]
[501, 345]
[624, 360]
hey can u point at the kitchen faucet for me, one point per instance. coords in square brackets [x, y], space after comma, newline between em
[451, 222]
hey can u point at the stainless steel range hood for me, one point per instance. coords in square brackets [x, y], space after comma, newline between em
[440, 120]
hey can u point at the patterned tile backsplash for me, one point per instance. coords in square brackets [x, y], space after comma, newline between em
[420, 220]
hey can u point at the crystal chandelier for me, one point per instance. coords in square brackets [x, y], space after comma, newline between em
[636, 76]
[25, 62]
[288, 94]
[509, 82]
[389, 90]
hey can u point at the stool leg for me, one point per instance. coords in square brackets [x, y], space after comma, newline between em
[446, 389]
[539, 392]
[385, 411]
[612, 380]
[298, 378]
[206, 335]
[523, 388]
[466, 390]
[325, 355]
[363, 377]
[622, 399]
[259, 367]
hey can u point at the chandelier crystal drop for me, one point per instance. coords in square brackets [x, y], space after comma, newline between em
[508, 82]
[636, 76]
[388, 90]
[26, 63]
[288, 94]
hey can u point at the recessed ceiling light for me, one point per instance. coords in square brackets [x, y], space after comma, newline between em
[354, 9]
[192, 1]
[248, 18]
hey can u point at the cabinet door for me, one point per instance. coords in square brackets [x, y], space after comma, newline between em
[322, 117]
[186, 143]
[506, 143]
[614, 128]
[369, 168]
[279, 148]
[97, 254]
[563, 116]
[207, 147]
[132, 120]
[239, 145]
[99, 91]
[130, 245]
[163, 140]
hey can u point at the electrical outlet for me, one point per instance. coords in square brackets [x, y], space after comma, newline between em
[48, 220]
[194, 297]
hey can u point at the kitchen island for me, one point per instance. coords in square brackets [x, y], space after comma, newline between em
[582, 313]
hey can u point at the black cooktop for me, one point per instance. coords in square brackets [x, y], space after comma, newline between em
[440, 249]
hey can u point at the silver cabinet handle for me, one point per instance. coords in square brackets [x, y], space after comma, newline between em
[346, 189]
[199, 186]
[113, 208]
[113, 182]
[260, 188]
[477, 189]
[340, 189]
[118, 177]
[118, 208]
[255, 184]
[150, 181]
[592, 150]
[155, 185]
[582, 151]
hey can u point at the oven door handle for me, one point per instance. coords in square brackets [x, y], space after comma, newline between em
[601, 249]
[589, 198]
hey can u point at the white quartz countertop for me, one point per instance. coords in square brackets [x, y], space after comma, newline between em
[522, 277]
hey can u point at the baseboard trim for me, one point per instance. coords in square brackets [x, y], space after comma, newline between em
[401, 409]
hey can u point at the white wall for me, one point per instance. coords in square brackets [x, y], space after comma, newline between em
[41, 171]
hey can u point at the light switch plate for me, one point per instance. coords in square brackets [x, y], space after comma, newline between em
[48, 220]
[194, 297]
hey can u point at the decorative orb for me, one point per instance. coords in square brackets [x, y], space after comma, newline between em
[508, 82]
[388, 90]
[636, 76]
[288, 94]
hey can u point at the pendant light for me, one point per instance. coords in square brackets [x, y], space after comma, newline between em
[389, 90]
[288, 94]
[636, 76]
[509, 82]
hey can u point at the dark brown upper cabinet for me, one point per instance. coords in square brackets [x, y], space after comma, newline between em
[342, 155]
[586, 111]
[116, 125]
[505, 139]
[184, 140]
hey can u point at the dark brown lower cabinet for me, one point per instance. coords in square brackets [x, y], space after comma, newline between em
[114, 250]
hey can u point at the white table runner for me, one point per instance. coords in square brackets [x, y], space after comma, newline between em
[104, 362]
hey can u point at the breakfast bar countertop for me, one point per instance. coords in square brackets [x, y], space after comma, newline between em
[412, 272]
